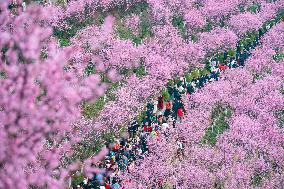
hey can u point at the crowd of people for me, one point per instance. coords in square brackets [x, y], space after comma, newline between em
[158, 118]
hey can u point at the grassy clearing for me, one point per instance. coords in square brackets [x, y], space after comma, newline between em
[219, 116]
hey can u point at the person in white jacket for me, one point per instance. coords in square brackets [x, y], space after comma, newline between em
[155, 107]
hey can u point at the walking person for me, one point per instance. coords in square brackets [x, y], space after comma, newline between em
[161, 103]
[169, 106]
[130, 129]
[180, 149]
[180, 114]
[133, 128]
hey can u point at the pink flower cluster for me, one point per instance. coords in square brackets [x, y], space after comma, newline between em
[43, 87]
[251, 147]
[241, 23]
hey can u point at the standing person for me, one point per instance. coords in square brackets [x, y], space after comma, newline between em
[122, 144]
[232, 64]
[241, 60]
[222, 67]
[143, 144]
[125, 160]
[134, 127]
[174, 121]
[177, 95]
[238, 51]
[180, 114]
[213, 63]
[216, 76]
[225, 55]
[107, 185]
[85, 183]
[155, 107]
[175, 107]
[171, 92]
[160, 119]
[116, 146]
[99, 178]
[180, 85]
[213, 68]
[181, 89]
[153, 134]
[180, 149]
[202, 81]
[131, 167]
[127, 151]
[189, 88]
[145, 127]
[147, 119]
[169, 106]
[184, 82]
[170, 120]
[154, 118]
[115, 184]
[150, 108]
[195, 84]
[161, 103]
[165, 126]
[130, 129]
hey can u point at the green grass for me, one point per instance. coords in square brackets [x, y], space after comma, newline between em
[278, 57]
[134, 9]
[91, 110]
[256, 76]
[220, 115]
[64, 42]
[194, 74]
[66, 34]
[280, 117]
[179, 23]
[144, 29]
[232, 52]
[140, 71]
[282, 89]
[124, 33]
[254, 8]
[208, 27]
[257, 178]
[77, 179]
[90, 69]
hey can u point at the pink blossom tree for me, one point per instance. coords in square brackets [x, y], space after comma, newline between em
[242, 23]
[248, 153]
[39, 101]
[43, 87]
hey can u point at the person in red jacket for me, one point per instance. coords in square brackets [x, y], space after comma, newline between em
[116, 146]
[169, 106]
[145, 127]
[222, 67]
[107, 186]
[149, 129]
[180, 114]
